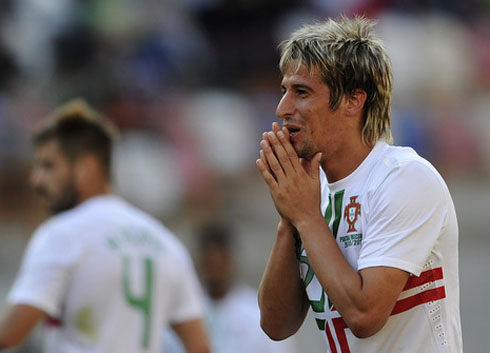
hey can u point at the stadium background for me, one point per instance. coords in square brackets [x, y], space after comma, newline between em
[193, 83]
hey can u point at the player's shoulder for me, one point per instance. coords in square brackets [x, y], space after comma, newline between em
[173, 244]
[403, 156]
[405, 164]
[81, 218]
[55, 225]
[57, 235]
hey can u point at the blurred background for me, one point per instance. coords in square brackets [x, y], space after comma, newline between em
[193, 83]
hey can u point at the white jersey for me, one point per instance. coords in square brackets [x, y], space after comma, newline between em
[109, 276]
[394, 210]
[233, 325]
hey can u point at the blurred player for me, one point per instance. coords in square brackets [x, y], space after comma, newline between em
[102, 275]
[368, 236]
[232, 315]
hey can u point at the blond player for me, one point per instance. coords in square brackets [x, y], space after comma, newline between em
[368, 236]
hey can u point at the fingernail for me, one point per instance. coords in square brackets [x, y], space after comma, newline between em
[280, 134]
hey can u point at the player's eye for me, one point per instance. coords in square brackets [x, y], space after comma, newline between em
[301, 92]
[47, 165]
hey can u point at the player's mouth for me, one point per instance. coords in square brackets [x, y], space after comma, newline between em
[295, 132]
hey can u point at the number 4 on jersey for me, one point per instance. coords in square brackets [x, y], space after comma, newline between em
[143, 302]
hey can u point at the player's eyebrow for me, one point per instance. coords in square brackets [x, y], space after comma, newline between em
[297, 86]
[301, 86]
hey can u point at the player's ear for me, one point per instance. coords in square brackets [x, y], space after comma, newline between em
[85, 167]
[354, 102]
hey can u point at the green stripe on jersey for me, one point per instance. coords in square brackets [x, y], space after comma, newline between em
[338, 199]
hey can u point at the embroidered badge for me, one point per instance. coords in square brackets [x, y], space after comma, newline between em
[351, 213]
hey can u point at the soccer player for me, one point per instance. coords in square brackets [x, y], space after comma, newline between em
[368, 236]
[101, 274]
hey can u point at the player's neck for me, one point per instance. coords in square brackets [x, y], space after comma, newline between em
[345, 161]
[94, 190]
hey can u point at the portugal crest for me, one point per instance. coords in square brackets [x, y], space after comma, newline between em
[351, 213]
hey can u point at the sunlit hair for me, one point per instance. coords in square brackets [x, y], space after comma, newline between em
[348, 56]
[79, 130]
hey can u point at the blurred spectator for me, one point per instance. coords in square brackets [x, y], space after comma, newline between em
[8, 67]
[232, 310]
[145, 174]
[222, 124]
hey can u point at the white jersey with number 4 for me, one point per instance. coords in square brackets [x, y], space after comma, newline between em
[394, 210]
[109, 276]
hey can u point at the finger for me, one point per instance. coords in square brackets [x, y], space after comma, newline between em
[272, 161]
[281, 154]
[264, 136]
[275, 127]
[268, 177]
[306, 164]
[261, 152]
[264, 160]
[315, 166]
[283, 137]
[312, 167]
[285, 132]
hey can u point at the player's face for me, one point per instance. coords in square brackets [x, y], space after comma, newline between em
[306, 113]
[52, 177]
[216, 270]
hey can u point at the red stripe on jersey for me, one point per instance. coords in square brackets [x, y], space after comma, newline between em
[331, 342]
[53, 322]
[413, 281]
[425, 277]
[419, 298]
[340, 326]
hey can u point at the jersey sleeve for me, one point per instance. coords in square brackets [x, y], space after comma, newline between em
[44, 273]
[188, 296]
[406, 215]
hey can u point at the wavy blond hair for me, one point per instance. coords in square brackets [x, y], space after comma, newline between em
[349, 56]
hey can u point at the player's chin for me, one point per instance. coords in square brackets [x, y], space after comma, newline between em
[305, 153]
[297, 148]
[45, 201]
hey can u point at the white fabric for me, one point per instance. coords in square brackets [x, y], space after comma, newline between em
[233, 326]
[395, 210]
[111, 274]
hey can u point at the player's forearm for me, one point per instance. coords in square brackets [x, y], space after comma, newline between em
[192, 333]
[8, 341]
[343, 284]
[281, 293]
[18, 322]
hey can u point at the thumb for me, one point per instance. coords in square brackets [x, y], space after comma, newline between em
[315, 165]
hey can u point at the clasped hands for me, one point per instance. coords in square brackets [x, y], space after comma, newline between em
[294, 183]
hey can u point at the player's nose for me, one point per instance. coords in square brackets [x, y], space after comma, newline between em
[285, 108]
